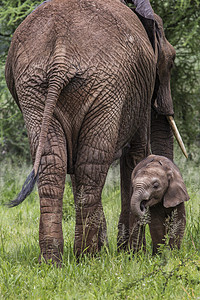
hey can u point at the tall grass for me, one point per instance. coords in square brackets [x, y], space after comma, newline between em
[109, 275]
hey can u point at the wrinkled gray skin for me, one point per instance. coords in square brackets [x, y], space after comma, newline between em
[83, 74]
[158, 184]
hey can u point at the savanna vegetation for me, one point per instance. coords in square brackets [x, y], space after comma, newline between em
[109, 275]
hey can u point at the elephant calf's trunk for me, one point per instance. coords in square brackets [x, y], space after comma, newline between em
[140, 211]
[138, 208]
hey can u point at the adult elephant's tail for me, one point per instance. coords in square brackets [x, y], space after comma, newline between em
[55, 88]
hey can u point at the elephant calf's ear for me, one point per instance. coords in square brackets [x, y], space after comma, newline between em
[176, 192]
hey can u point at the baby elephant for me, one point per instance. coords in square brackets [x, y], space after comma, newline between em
[159, 188]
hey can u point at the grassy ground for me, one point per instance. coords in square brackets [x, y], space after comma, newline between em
[110, 275]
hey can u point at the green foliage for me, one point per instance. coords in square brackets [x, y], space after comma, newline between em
[181, 20]
[109, 275]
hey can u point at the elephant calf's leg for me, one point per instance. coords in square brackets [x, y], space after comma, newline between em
[51, 187]
[167, 222]
[176, 226]
[157, 226]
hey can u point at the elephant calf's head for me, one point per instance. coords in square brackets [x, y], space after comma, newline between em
[156, 179]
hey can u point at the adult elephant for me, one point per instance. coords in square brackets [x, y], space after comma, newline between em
[83, 73]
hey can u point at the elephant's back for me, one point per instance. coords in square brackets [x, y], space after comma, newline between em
[86, 30]
[98, 44]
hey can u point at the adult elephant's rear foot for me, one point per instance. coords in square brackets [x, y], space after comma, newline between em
[90, 229]
[51, 184]
[50, 231]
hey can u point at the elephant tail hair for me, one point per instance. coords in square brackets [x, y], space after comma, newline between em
[25, 191]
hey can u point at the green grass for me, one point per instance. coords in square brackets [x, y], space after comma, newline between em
[109, 275]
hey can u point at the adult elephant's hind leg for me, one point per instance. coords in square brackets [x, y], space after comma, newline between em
[51, 184]
[130, 233]
[93, 161]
